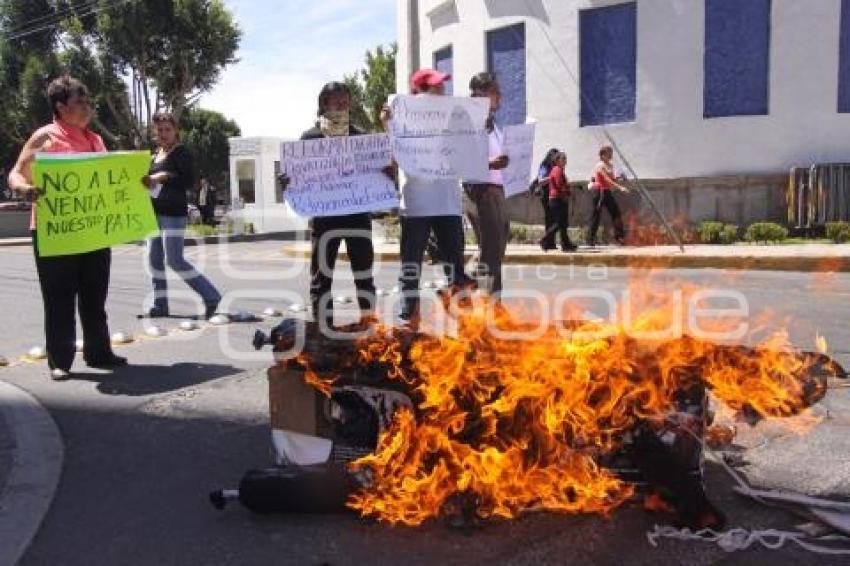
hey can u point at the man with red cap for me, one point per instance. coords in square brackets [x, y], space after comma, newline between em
[428, 205]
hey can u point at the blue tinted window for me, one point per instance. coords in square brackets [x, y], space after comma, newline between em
[737, 57]
[444, 62]
[608, 59]
[506, 59]
[844, 59]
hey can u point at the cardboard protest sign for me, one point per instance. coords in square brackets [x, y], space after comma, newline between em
[519, 147]
[336, 176]
[91, 201]
[440, 137]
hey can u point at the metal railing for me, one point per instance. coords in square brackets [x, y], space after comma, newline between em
[819, 194]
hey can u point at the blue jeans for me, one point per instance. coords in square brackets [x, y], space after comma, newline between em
[167, 248]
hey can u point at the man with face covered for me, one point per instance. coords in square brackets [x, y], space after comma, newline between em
[328, 232]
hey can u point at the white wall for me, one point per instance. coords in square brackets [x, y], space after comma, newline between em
[670, 138]
[265, 213]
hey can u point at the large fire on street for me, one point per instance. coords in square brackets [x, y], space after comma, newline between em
[501, 427]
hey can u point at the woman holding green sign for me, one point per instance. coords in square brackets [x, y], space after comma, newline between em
[171, 175]
[68, 279]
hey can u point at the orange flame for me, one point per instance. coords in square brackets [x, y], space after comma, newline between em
[521, 424]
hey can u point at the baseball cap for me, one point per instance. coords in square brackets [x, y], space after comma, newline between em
[423, 78]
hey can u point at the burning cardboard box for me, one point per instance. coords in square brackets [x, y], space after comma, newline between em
[405, 426]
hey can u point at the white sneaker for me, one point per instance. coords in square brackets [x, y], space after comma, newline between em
[58, 374]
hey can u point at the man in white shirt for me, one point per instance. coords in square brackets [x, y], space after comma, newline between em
[489, 215]
[426, 205]
[206, 201]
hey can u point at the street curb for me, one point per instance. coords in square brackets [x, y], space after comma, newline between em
[835, 264]
[37, 459]
[189, 240]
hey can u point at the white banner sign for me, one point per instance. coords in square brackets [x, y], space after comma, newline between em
[440, 137]
[337, 176]
[519, 147]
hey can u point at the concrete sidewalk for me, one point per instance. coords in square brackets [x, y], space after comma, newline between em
[814, 258]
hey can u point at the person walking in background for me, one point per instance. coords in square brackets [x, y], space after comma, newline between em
[206, 202]
[489, 215]
[80, 278]
[559, 206]
[541, 188]
[428, 205]
[170, 177]
[601, 184]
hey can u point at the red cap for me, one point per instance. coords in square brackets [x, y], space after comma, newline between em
[424, 78]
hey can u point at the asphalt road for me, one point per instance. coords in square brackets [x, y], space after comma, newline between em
[146, 444]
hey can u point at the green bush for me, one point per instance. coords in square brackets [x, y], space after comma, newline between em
[710, 231]
[766, 232]
[838, 232]
[525, 233]
[730, 234]
[201, 230]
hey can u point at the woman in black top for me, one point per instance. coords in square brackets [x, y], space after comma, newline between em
[171, 175]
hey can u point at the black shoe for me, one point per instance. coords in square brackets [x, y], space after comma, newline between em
[546, 246]
[210, 308]
[621, 241]
[107, 362]
[158, 312]
[569, 248]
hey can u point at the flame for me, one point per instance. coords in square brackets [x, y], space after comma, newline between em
[821, 344]
[506, 425]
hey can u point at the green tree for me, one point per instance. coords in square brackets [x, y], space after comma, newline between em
[371, 86]
[206, 133]
[173, 50]
[26, 63]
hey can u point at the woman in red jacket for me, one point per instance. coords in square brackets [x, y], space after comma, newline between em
[559, 205]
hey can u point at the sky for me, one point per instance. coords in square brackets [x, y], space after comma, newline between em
[289, 49]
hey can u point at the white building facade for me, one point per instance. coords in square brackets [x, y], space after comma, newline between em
[687, 88]
[256, 195]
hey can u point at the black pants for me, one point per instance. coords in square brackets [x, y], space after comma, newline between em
[559, 211]
[548, 219]
[606, 199]
[328, 234]
[208, 213]
[415, 232]
[78, 281]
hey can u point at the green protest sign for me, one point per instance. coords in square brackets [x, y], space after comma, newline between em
[91, 201]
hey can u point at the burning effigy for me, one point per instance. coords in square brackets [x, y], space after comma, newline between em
[484, 423]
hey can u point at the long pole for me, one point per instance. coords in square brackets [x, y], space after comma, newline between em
[645, 194]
